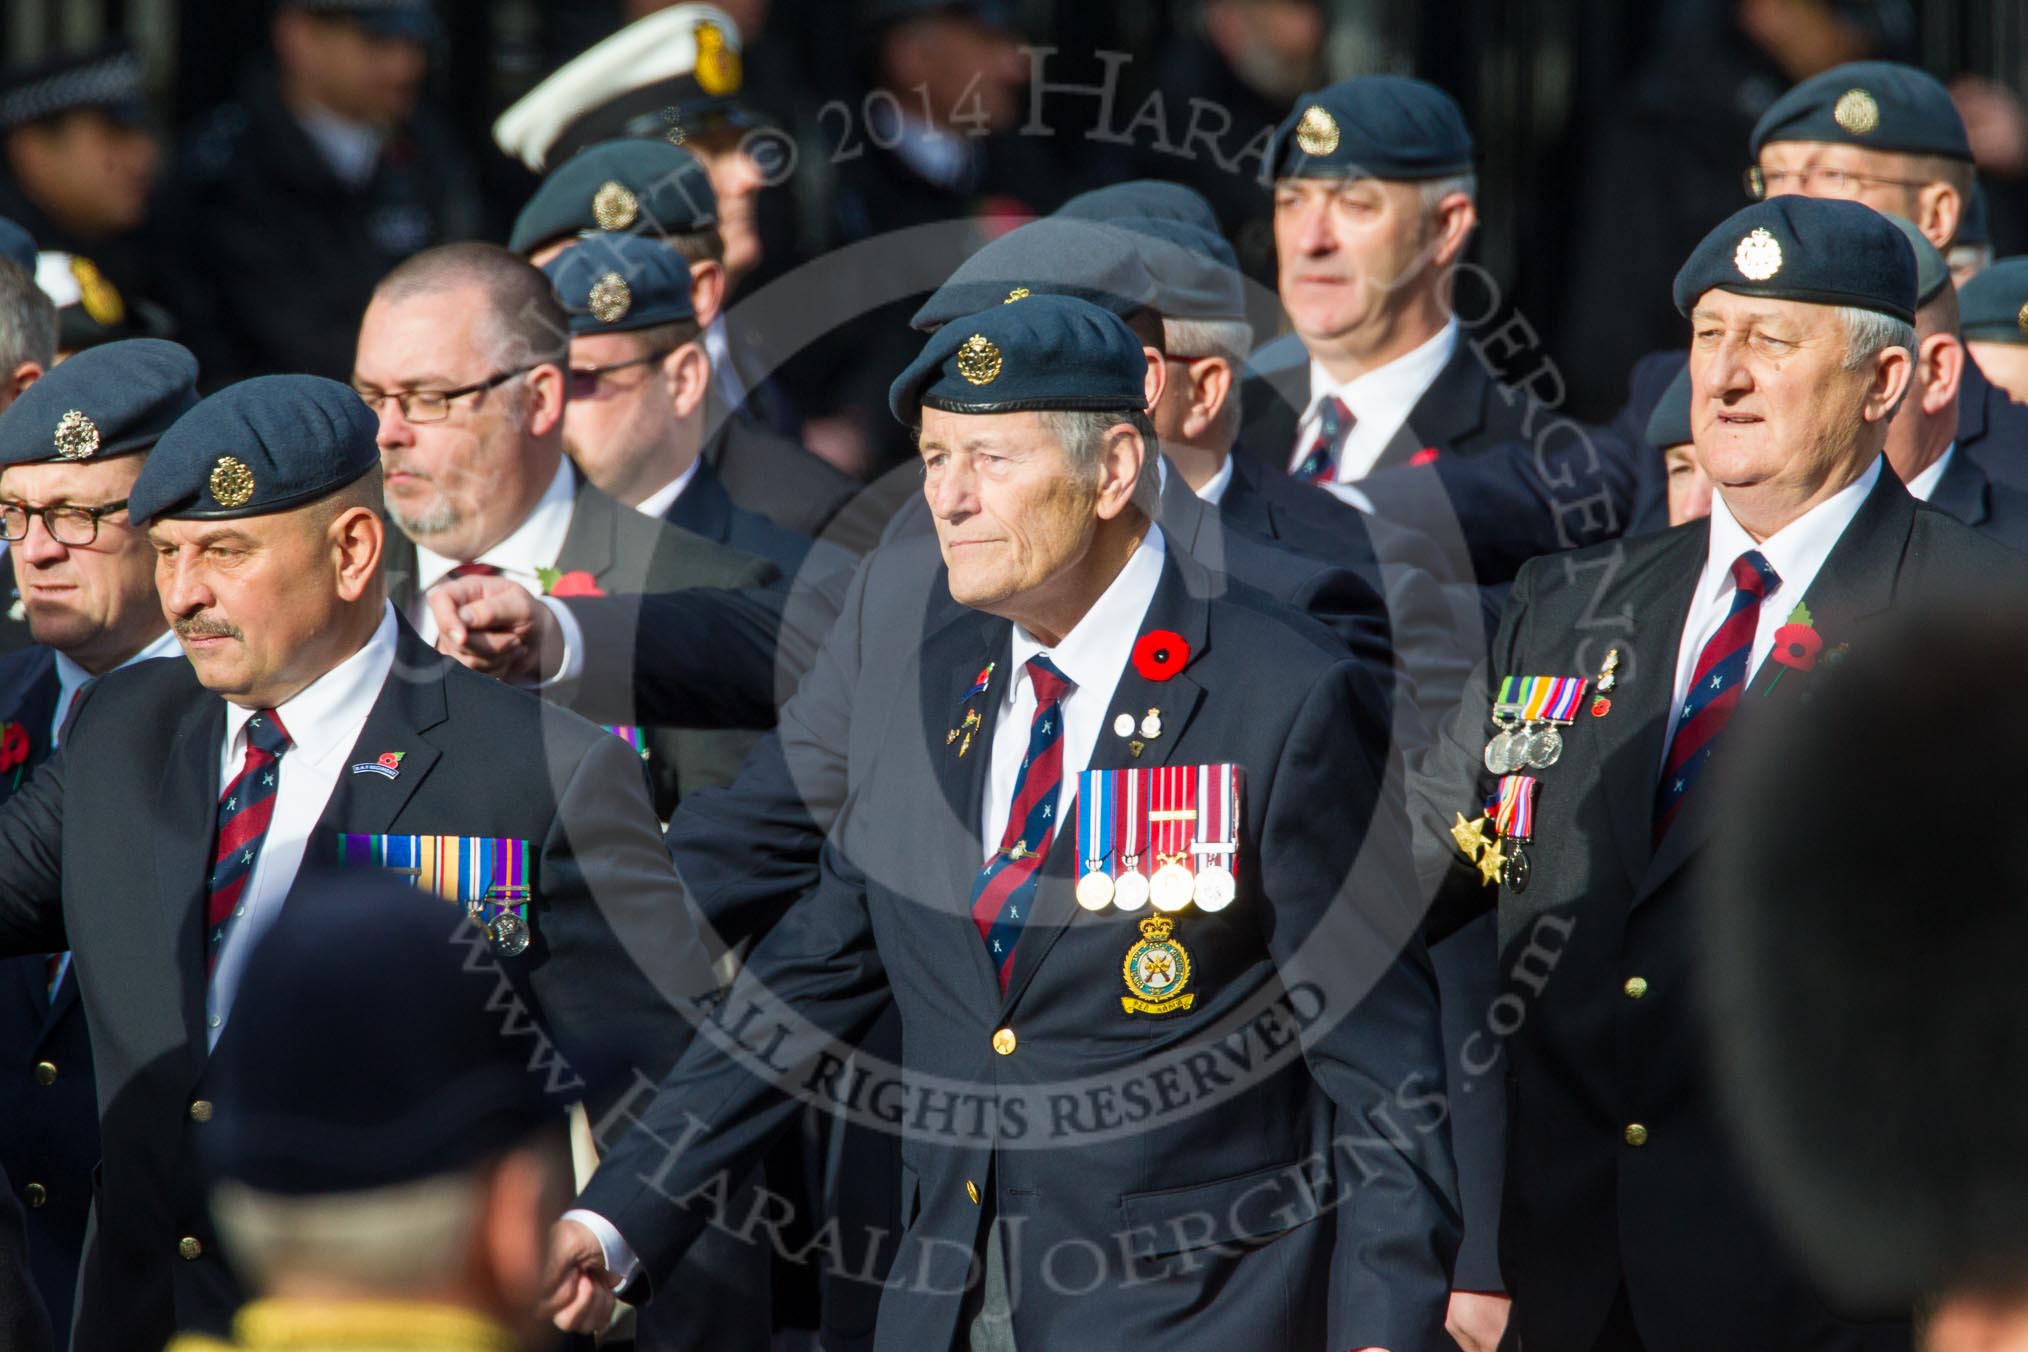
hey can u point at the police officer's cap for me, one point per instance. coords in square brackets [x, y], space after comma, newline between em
[1805, 248]
[106, 79]
[1196, 271]
[1669, 424]
[1050, 257]
[1039, 352]
[262, 445]
[1879, 105]
[112, 400]
[619, 283]
[344, 1069]
[1374, 126]
[1993, 306]
[635, 186]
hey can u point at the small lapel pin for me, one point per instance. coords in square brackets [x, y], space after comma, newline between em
[1151, 726]
[1123, 726]
[1135, 748]
[388, 765]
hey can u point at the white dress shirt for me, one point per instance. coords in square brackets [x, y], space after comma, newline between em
[1796, 552]
[324, 720]
[658, 503]
[1214, 491]
[1380, 401]
[533, 544]
[1092, 655]
[71, 678]
[1923, 486]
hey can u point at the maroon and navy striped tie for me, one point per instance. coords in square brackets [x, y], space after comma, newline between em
[1715, 688]
[1006, 885]
[244, 811]
[1334, 420]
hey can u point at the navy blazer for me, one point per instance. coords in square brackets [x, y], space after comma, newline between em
[1992, 428]
[1206, 1223]
[704, 508]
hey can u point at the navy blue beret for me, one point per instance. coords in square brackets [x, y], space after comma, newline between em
[17, 246]
[1196, 271]
[1805, 248]
[1669, 424]
[109, 400]
[620, 283]
[635, 185]
[1932, 274]
[1049, 257]
[263, 445]
[1881, 105]
[1375, 126]
[1993, 306]
[1040, 352]
[1142, 199]
[413, 1076]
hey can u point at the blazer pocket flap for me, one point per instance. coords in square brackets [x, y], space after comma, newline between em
[1246, 1208]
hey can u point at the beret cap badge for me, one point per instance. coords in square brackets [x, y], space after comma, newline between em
[613, 207]
[610, 298]
[77, 437]
[1856, 112]
[232, 483]
[1018, 293]
[1317, 133]
[979, 360]
[2021, 318]
[717, 70]
[1759, 256]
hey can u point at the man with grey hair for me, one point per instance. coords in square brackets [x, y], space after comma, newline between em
[1628, 1223]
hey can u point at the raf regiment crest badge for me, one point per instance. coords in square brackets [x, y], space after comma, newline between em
[1856, 112]
[1157, 970]
[717, 68]
[77, 437]
[610, 299]
[613, 207]
[1759, 256]
[979, 360]
[2021, 319]
[232, 483]
[1317, 133]
[1018, 293]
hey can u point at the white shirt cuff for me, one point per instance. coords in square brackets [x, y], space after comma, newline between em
[573, 644]
[619, 1255]
[1349, 493]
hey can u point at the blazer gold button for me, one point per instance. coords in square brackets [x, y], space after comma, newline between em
[1003, 1043]
[972, 1191]
[36, 1194]
[1636, 1134]
[1636, 987]
[45, 1072]
[188, 1247]
[200, 1111]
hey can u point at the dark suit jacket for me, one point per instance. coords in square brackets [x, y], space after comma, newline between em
[627, 554]
[704, 508]
[49, 1133]
[1992, 429]
[23, 1322]
[1968, 493]
[784, 482]
[1675, 1220]
[1161, 1206]
[140, 769]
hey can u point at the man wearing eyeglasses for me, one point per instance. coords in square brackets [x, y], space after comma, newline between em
[461, 355]
[87, 580]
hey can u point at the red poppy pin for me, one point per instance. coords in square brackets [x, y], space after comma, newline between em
[13, 746]
[1796, 645]
[576, 582]
[1426, 456]
[1160, 654]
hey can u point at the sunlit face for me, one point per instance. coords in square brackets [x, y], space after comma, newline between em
[614, 420]
[255, 601]
[1689, 485]
[94, 602]
[1012, 514]
[1770, 401]
[2005, 365]
[1346, 249]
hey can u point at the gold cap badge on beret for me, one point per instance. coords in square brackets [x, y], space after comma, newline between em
[1317, 133]
[2021, 319]
[1018, 293]
[979, 360]
[1759, 256]
[613, 207]
[77, 437]
[610, 298]
[232, 483]
[717, 68]
[1856, 112]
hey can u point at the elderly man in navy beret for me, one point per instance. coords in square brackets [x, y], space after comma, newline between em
[1603, 750]
[310, 727]
[1054, 965]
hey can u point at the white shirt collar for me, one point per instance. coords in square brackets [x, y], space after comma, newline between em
[70, 677]
[533, 544]
[1095, 651]
[1214, 491]
[351, 149]
[1380, 401]
[1923, 486]
[1796, 552]
[324, 717]
[658, 503]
